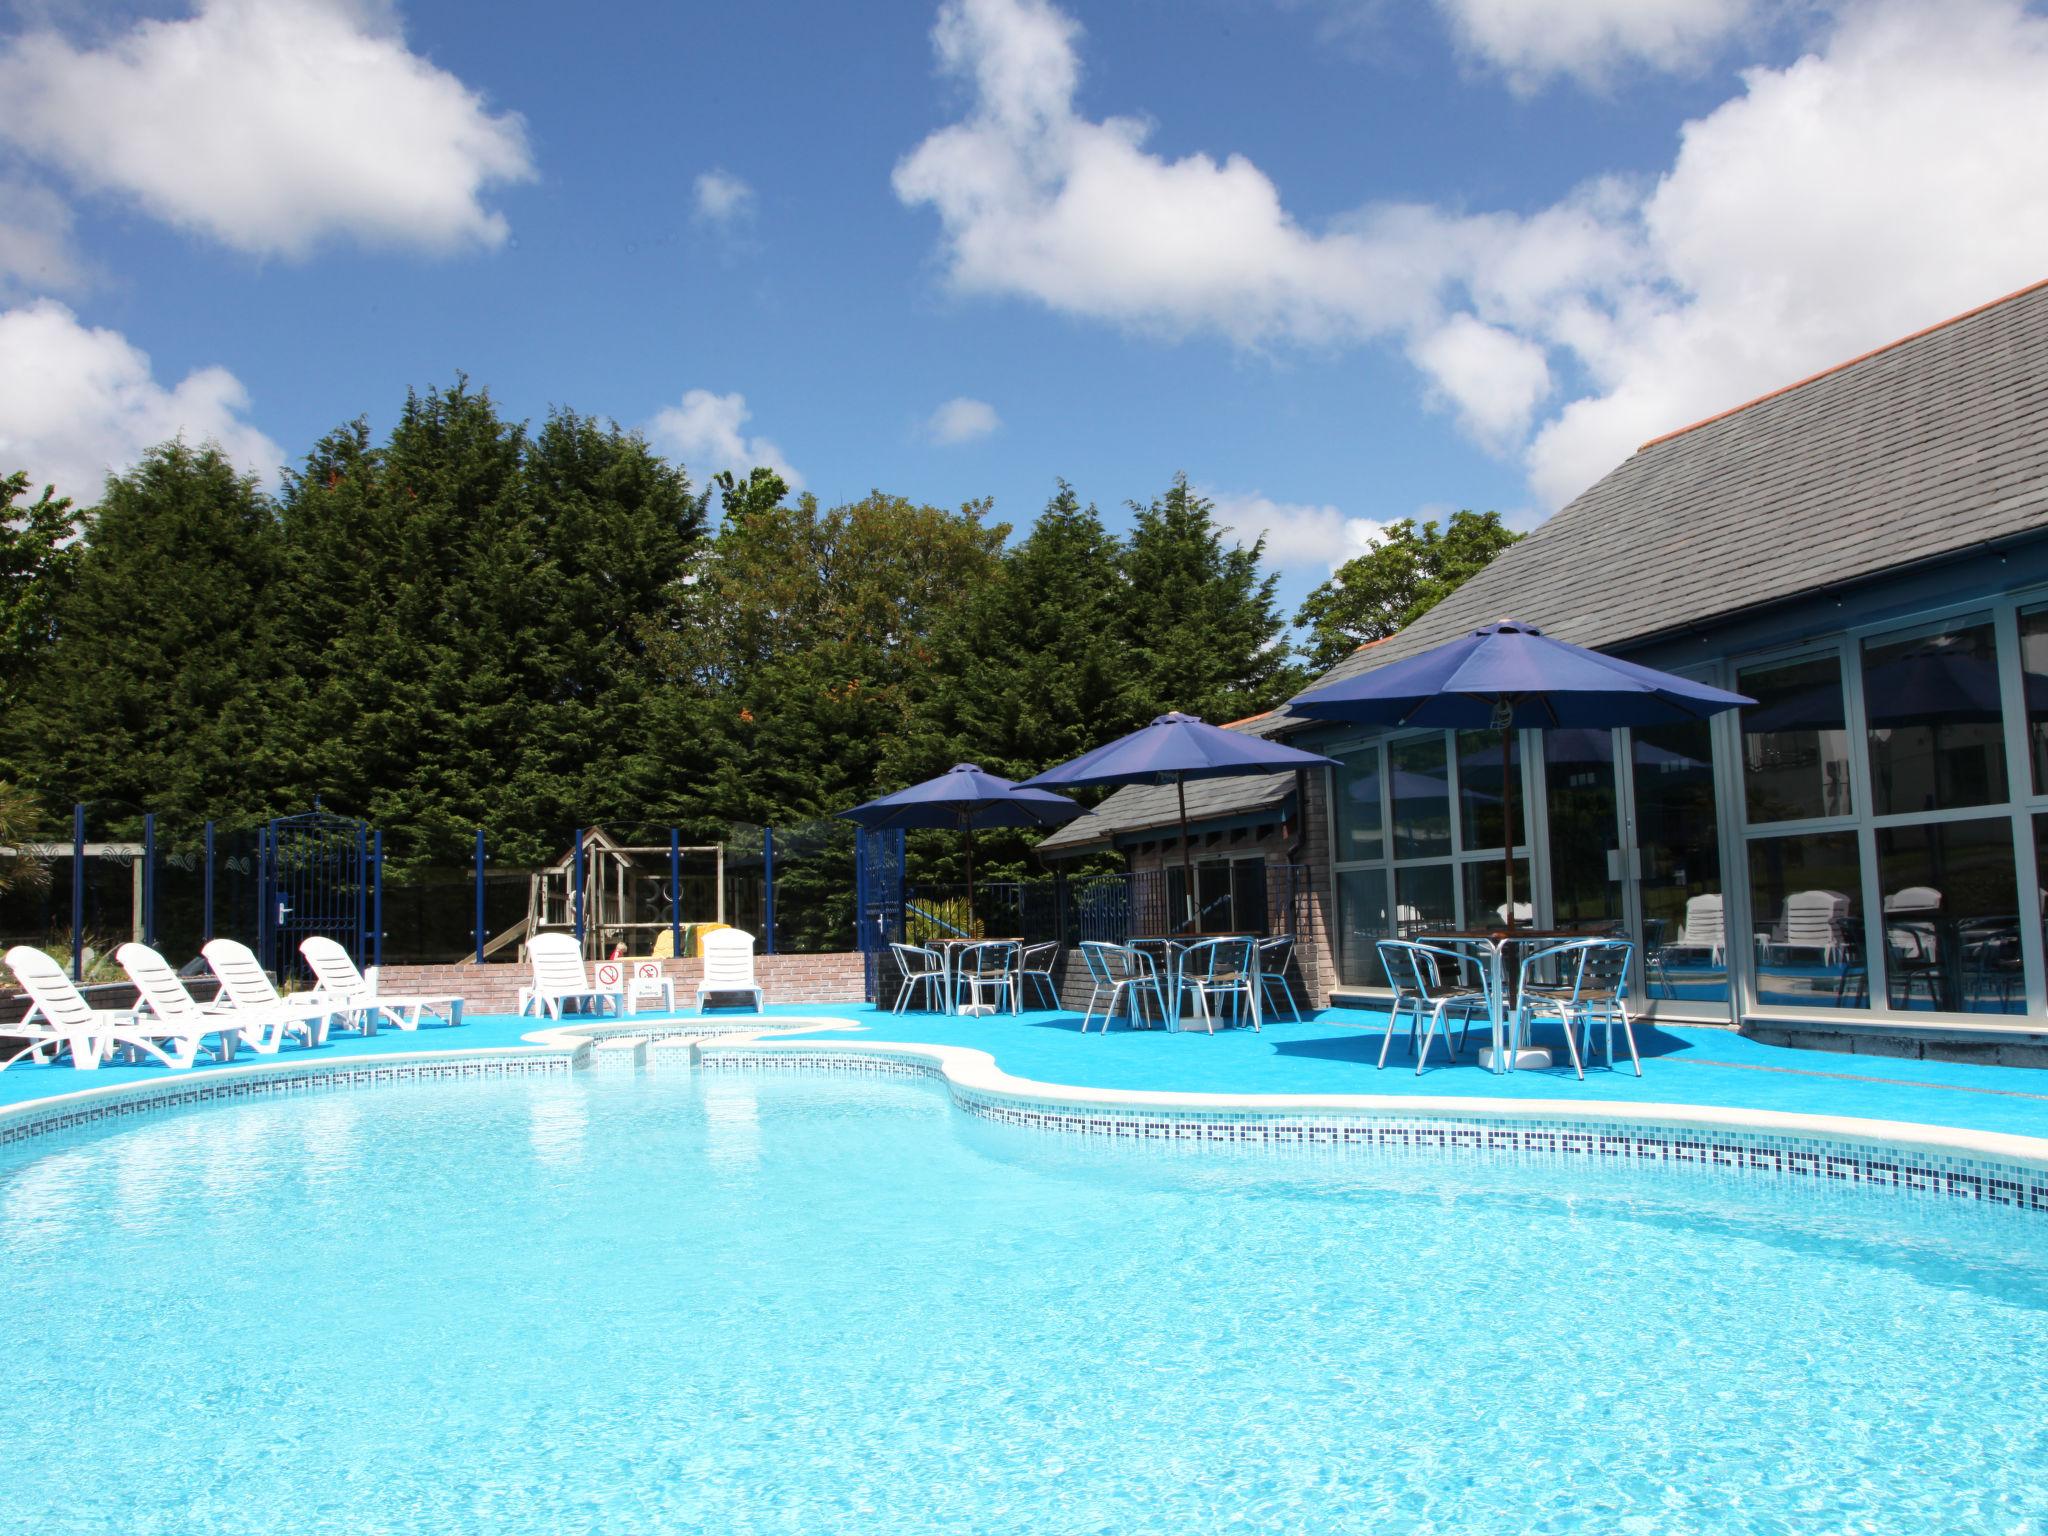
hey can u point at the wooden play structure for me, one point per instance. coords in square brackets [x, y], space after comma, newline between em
[626, 898]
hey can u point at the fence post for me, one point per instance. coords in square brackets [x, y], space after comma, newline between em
[377, 900]
[78, 892]
[479, 895]
[768, 890]
[362, 894]
[149, 878]
[579, 886]
[263, 896]
[206, 888]
[675, 892]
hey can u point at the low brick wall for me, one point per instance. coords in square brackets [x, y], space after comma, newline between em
[835, 978]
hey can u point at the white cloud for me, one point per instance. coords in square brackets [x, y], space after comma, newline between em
[961, 420]
[722, 198]
[272, 126]
[704, 433]
[1530, 41]
[1296, 533]
[1895, 175]
[36, 253]
[76, 402]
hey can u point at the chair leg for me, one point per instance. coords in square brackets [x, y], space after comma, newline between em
[1571, 1041]
[1436, 1015]
[1393, 1018]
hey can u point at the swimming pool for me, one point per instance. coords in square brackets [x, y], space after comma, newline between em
[758, 1301]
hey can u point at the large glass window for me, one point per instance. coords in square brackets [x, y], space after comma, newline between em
[1578, 770]
[1951, 917]
[1424, 901]
[2034, 682]
[1357, 807]
[1362, 921]
[1937, 734]
[1481, 787]
[1486, 896]
[1677, 836]
[1422, 797]
[1795, 741]
[1808, 936]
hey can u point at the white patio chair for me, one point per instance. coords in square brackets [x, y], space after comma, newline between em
[728, 966]
[359, 998]
[1121, 972]
[1213, 969]
[560, 978]
[170, 1024]
[1036, 966]
[919, 967]
[59, 1018]
[251, 1001]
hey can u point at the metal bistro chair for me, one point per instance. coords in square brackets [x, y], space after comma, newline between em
[1211, 969]
[1590, 987]
[920, 967]
[1274, 955]
[1417, 973]
[984, 968]
[1036, 966]
[1120, 972]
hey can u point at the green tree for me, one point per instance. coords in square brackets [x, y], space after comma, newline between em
[1204, 632]
[162, 686]
[39, 553]
[1394, 583]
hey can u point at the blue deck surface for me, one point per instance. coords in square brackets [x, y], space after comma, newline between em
[1334, 1052]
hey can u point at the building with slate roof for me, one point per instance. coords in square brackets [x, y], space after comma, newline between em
[1859, 859]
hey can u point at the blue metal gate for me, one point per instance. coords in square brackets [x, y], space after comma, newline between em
[878, 900]
[316, 878]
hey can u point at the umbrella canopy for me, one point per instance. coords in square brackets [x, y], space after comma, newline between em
[965, 797]
[1171, 750]
[1508, 676]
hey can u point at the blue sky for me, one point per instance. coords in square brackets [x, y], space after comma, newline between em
[1342, 261]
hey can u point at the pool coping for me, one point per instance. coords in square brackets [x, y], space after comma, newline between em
[2003, 1167]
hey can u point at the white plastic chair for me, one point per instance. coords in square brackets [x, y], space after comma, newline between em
[59, 1018]
[1705, 927]
[358, 999]
[728, 966]
[559, 979]
[919, 967]
[180, 1027]
[249, 998]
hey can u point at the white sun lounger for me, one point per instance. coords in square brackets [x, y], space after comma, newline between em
[169, 1023]
[357, 997]
[728, 966]
[59, 1018]
[247, 997]
[559, 977]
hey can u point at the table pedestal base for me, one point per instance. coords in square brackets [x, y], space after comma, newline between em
[1528, 1058]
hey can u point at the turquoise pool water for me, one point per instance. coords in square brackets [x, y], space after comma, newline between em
[778, 1302]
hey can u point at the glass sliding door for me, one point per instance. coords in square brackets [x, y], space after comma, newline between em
[1675, 862]
[1583, 809]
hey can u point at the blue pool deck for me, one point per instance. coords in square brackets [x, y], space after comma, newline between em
[1332, 1052]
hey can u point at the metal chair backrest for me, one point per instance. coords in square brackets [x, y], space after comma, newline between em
[990, 957]
[1110, 964]
[1603, 972]
[1426, 967]
[916, 960]
[728, 958]
[1040, 957]
[1275, 952]
[1216, 960]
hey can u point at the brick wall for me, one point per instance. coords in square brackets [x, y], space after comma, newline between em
[834, 978]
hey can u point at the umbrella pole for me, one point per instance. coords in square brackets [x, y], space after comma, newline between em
[1187, 864]
[1507, 810]
[968, 828]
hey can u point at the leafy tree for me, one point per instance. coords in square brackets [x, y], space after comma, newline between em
[162, 686]
[39, 554]
[1394, 583]
[1203, 630]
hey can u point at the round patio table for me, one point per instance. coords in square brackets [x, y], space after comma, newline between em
[1493, 944]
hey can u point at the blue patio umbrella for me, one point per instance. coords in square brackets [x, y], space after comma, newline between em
[1508, 676]
[965, 797]
[1171, 750]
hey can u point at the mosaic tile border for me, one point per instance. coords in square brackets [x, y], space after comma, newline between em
[127, 1101]
[1894, 1169]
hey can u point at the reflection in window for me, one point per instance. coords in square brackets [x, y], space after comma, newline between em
[1486, 897]
[1361, 924]
[1481, 787]
[1249, 906]
[1808, 937]
[1424, 902]
[2034, 679]
[1685, 940]
[1578, 768]
[1951, 917]
[1937, 735]
[1357, 786]
[1795, 741]
[1422, 797]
